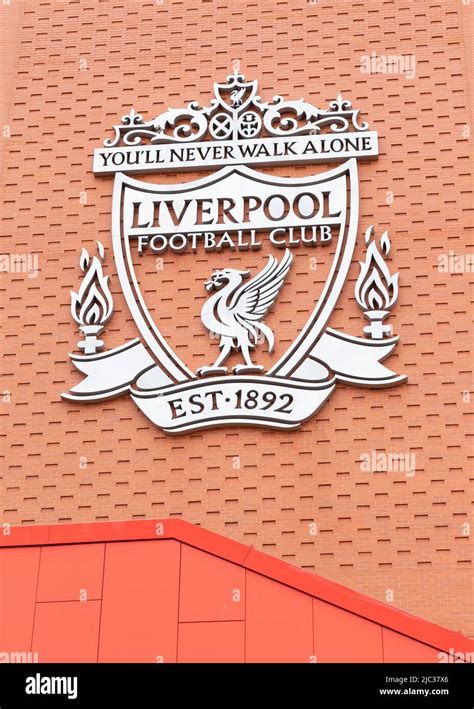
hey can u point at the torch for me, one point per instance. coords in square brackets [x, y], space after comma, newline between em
[92, 306]
[376, 291]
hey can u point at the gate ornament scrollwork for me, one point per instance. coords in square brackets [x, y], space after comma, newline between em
[236, 112]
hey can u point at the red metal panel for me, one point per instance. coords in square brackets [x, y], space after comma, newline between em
[279, 622]
[210, 588]
[140, 602]
[399, 648]
[66, 572]
[340, 636]
[401, 623]
[211, 642]
[18, 580]
[107, 531]
[25, 535]
[66, 631]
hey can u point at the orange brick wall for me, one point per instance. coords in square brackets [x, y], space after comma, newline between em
[377, 532]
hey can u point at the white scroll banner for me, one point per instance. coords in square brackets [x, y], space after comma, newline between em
[264, 400]
[233, 400]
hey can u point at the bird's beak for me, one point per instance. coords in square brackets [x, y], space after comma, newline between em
[209, 285]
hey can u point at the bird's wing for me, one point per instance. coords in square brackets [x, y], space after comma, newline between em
[253, 300]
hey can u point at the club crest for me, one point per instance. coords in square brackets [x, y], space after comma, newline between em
[240, 231]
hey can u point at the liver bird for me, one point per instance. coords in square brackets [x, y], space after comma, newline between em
[235, 312]
[236, 96]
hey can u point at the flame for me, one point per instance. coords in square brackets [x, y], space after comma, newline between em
[93, 304]
[375, 288]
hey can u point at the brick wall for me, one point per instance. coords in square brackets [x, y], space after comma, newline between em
[72, 70]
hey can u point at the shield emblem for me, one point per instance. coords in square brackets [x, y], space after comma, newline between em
[167, 217]
[133, 227]
[237, 94]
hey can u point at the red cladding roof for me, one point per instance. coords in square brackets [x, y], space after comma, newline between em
[195, 596]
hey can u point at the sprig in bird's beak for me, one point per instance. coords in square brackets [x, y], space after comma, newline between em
[214, 281]
[218, 278]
